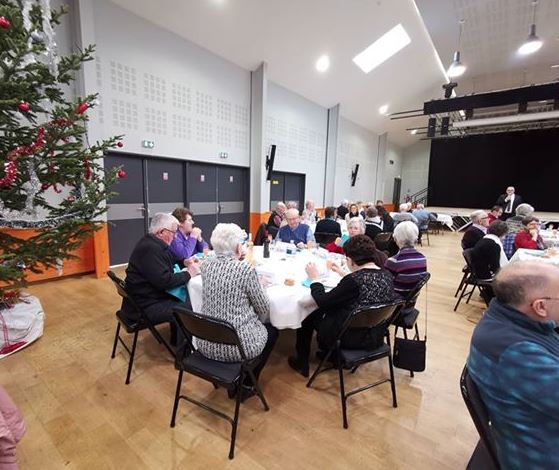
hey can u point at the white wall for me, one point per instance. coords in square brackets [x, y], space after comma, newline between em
[355, 145]
[415, 167]
[298, 127]
[155, 85]
[392, 169]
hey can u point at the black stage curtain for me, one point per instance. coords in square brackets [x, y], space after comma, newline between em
[473, 171]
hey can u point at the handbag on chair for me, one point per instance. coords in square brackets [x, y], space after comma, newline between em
[410, 354]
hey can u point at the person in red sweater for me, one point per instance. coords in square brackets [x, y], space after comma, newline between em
[496, 213]
[529, 237]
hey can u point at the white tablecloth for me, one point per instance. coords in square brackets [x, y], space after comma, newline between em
[534, 255]
[550, 238]
[445, 219]
[289, 305]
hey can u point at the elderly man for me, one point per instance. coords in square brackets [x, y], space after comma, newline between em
[294, 231]
[276, 218]
[509, 202]
[514, 361]
[329, 223]
[150, 273]
[476, 231]
[342, 209]
[404, 215]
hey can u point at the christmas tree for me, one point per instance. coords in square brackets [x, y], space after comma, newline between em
[44, 148]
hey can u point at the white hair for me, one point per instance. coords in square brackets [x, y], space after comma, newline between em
[226, 238]
[524, 209]
[357, 221]
[345, 202]
[293, 205]
[404, 207]
[309, 202]
[162, 220]
[476, 216]
[420, 206]
[406, 234]
[281, 205]
[290, 213]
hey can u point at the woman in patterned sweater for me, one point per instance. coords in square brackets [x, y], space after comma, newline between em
[231, 292]
[368, 284]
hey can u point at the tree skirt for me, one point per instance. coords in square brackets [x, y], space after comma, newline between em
[21, 325]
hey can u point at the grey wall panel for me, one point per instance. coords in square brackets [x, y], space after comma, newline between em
[203, 208]
[125, 211]
[155, 207]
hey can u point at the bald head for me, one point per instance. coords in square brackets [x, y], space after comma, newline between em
[521, 283]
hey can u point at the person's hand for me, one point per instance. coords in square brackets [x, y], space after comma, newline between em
[191, 260]
[337, 269]
[534, 233]
[338, 241]
[263, 280]
[507, 199]
[312, 271]
[301, 245]
[196, 233]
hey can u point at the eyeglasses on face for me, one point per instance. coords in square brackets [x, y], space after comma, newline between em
[174, 232]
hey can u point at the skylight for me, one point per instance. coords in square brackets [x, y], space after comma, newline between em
[382, 49]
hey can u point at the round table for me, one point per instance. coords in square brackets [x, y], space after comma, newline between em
[289, 305]
[534, 255]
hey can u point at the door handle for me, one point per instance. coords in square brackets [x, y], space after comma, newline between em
[218, 208]
[141, 208]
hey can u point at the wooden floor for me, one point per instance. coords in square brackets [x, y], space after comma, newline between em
[80, 414]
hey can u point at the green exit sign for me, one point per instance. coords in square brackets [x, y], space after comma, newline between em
[148, 144]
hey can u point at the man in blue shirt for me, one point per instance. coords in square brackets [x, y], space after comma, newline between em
[514, 360]
[294, 231]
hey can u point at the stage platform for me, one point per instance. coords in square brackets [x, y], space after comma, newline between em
[461, 216]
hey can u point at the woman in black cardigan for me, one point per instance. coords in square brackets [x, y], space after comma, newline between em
[366, 285]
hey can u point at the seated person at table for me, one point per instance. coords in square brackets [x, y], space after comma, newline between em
[231, 292]
[294, 231]
[189, 239]
[476, 231]
[329, 223]
[309, 213]
[404, 215]
[150, 272]
[387, 220]
[408, 266]
[515, 223]
[514, 361]
[276, 218]
[353, 212]
[529, 237]
[367, 284]
[342, 209]
[373, 223]
[423, 217]
[488, 255]
[496, 213]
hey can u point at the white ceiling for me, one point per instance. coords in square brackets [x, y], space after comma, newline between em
[291, 34]
[493, 31]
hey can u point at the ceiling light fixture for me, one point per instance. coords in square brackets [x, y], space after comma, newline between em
[382, 49]
[457, 68]
[323, 63]
[414, 131]
[383, 109]
[555, 66]
[533, 43]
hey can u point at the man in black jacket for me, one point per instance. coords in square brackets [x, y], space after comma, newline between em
[509, 202]
[150, 275]
[329, 224]
[342, 209]
[476, 231]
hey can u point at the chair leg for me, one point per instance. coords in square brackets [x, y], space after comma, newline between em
[428, 241]
[236, 417]
[258, 390]
[177, 397]
[471, 293]
[116, 340]
[131, 361]
[416, 332]
[392, 381]
[461, 284]
[461, 296]
[317, 370]
[342, 396]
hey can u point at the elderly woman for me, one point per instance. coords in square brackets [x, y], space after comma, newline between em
[188, 240]
[276, 218]
[367, 284]
[515, 223]
[408, 265]
[353, 212]
[231, 292]
[309, 213]
[529, 237]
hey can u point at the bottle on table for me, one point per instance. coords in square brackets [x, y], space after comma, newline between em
[266, 247]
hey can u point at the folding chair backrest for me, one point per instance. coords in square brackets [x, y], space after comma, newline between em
[207, 328]
[371, 317]
[413, 294]
[323, 238]
[383, 237]
[479, 413]
[129, 304]
[468, 257]
[260, 234]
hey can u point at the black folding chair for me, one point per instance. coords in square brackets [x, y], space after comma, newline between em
[472, 280]
[132, 325]
[384, 241]
[465, 274]
[379, 316]
[324, 238]
[485, 453]
[229, 375]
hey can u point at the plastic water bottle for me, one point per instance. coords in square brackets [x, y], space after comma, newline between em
[266, 248]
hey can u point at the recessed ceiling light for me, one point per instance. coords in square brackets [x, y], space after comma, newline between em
[555, 66]
[414, 131]
[323, 63]
[382, 49]
[383, 109]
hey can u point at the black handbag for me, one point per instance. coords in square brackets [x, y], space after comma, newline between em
[410, 354]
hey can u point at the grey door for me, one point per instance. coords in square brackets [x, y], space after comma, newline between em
[165, 185]
[277, 192]
[287, 187]
[127, 210]
[232, 195]
[202, 195]
[396, 192]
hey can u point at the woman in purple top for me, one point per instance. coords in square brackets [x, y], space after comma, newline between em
[188, 240]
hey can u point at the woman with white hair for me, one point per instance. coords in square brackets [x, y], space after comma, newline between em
[408, 265]
[231, 292]
[309, 213]
[514, 224]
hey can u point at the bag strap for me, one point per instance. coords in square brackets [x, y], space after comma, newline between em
[426, 308]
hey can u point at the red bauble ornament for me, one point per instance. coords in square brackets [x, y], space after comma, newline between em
[23, 107]
[71, 198]
[4, 23]
[45, 186]
[82, 108]
[119, 144]
[121, 174]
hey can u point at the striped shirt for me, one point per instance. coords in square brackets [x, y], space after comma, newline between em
[408, 267]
